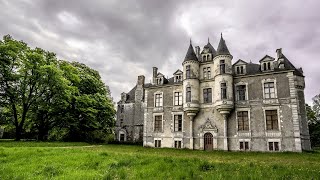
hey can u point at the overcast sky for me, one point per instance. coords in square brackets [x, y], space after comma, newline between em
[123, 39]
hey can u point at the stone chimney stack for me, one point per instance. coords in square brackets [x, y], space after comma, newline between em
[279, 52]
[155, 72]
[139, 94]
[141, 79]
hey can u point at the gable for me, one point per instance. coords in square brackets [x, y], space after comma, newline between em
[240, 62]
[178, 72]
[267, 58]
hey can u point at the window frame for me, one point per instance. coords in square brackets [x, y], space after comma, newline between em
[207, 95]
[156, 129]
[263, 82]
[157, 143]
[243, 129]
[188, 71]
[158, 103]
[277, 108]
[223, 91]
[222, 66]
[244, 142]
[177, 123]
[179, 100]
[274, 141]
[188, 94]
[244, 92]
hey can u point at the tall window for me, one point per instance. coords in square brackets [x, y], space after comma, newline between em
[244, 145]
[243, 121]
[206, 73]
[269, 91]
[158, 123]
[121, 108]
[188, 74]
[177, 123]
[121, 122]
[157, 143]
[273, 146]
[177, 98]
[177, 144]
[158, 102]
[188, 94]
[207, 95]
[223, 91]
[241, 92]
[222, 67]
[272, 120]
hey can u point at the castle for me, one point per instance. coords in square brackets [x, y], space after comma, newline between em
[214, 104]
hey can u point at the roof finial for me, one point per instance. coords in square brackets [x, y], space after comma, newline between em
[208, 40]
[221, 34]
[190, 42]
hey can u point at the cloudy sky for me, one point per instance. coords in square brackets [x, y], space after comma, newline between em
[124, 39]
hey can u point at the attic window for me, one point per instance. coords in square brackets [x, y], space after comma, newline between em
[178, 78]
[267, 66]
[240, 70]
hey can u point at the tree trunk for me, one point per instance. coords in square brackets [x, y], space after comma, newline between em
[18, 133]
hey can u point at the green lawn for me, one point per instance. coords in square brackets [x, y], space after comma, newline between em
[42, 160]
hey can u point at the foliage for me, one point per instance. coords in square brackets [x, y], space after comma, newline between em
[40, 94]
[313, 115]
[43, 161]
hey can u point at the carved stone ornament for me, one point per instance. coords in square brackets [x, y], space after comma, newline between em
[208, 125]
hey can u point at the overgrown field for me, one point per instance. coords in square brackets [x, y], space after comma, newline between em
[33, 160]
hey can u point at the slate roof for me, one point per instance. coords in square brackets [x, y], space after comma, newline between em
[191, 55]
[252, 68]
[211, 49]
[222, 47]
[131, 95]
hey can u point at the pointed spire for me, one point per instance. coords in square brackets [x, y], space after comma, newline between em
[222, 47]
[191, 55]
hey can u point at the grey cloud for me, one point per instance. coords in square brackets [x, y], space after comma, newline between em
[123, 39]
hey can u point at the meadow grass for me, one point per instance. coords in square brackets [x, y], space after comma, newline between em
[36, 160]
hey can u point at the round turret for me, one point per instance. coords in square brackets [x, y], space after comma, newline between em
[223, 79]
[191, 85]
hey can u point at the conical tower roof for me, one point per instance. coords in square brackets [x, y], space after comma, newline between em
[191, 55]
[222, 47]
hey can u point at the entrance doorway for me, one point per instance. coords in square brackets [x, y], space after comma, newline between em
[208, 142]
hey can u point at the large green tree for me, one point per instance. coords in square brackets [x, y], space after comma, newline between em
[47, 95]
[90, 112]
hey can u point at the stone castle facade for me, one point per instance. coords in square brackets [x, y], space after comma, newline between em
[214, 104]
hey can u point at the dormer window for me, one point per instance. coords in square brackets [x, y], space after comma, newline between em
[204, 58]
[267, 66]
[160, 81]
[240, 70]
[178, 78]
[267, 63]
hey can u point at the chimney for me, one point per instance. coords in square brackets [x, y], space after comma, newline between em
[279, 52]
[155, 72]
[141, 79]
[197, 51]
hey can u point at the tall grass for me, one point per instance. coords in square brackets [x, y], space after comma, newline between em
[135, 162]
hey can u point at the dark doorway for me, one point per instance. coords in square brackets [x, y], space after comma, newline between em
[208, 142]
[121, 137]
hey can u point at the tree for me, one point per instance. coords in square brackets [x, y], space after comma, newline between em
[314, 121]
[91, 112]
[42, 94]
